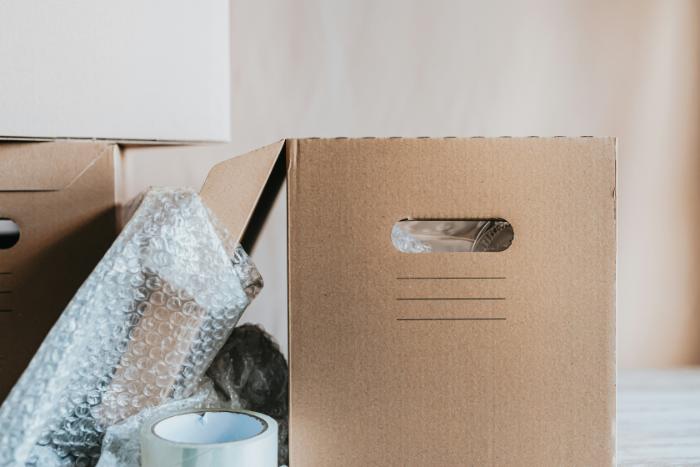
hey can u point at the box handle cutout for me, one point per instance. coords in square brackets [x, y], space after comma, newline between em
[9, 233]
[452, 235]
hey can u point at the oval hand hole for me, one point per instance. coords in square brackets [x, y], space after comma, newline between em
[9, 233]
[452, 235]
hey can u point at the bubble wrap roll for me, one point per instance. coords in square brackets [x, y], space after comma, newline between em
[141, 331]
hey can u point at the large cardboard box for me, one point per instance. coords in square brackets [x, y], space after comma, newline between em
[404, 359]
[395, 358]
[62, 198]
[123, 70]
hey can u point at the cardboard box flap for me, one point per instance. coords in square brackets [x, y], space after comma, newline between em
[233, 187]
[28, 167]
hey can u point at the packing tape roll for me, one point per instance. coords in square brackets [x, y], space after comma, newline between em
[211, 438]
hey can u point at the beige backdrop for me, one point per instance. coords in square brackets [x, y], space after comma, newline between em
[629, 69]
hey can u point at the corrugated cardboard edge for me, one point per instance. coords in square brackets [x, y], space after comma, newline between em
[232, 188]
[613, 344]
[292, 148]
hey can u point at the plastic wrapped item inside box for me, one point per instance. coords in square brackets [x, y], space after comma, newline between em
[121, 445]
[249, 372]
[441, 236]
[141, 331]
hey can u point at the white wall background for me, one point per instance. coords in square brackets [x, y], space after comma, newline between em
[629, 69]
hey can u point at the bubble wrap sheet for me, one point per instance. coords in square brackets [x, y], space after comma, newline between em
[141, 331]
[249, 372]
[121, 445]
[426, 236]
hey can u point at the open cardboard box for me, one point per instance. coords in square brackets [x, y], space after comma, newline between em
[395, 358]
[443, 358]
[61, 197]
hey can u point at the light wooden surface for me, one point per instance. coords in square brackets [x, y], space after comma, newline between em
[658, 417]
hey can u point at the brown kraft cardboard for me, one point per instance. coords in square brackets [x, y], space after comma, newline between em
[444, 359]
[62, 197]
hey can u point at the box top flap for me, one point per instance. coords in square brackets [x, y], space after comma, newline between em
[32, 167]
[233, 187]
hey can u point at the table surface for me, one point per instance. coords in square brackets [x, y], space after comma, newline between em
[658, 417]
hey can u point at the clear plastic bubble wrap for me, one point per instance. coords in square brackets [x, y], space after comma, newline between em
[435, 236]
[141, 331]
[121, 445]
[249, 372]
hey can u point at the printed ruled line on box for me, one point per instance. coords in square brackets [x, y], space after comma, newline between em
[450, 319]
[449, 298]
[401, 278]
[5, 292]
[5, 273]
[5, 310]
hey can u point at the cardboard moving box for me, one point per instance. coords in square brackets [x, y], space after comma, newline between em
[62, 198]
[444, 359]
[127, 70]
[399, 359]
